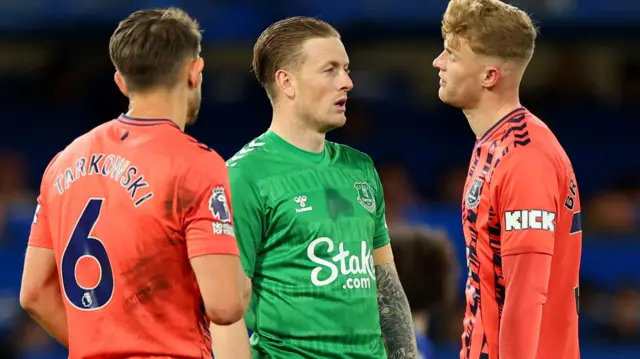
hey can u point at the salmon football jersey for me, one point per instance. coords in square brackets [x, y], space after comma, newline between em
[124, 207]
[520, 196]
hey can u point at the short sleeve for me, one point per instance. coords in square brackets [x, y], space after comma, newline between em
[526, 193]
[40, 235]
[381, 235]
[248, 217]
[207, 213]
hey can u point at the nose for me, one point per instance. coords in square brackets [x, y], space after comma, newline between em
[347, 83]
[437, 62]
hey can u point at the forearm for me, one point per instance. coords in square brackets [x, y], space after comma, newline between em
[230, 341]
[49, 312]
[527, 278]
[395, 314]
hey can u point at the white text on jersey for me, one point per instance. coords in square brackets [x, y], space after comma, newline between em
[529, 219]
[115, 167]
[357, 269]
[302, 202]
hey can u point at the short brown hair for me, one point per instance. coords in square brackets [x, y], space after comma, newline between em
[426, 266]
[279, 46]
[149, 47]
[491, 27]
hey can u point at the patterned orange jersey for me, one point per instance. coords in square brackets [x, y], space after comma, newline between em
[520, 197]
[124, 207]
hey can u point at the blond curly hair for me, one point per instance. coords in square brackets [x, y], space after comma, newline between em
[491, 28]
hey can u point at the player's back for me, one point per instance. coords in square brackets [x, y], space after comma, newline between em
[115, 204]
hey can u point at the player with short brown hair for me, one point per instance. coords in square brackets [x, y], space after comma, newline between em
[132, 250]
[521, 210]
[150, 46]
[280, 46]
[310, 215]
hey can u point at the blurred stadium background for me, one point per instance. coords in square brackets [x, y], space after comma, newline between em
[584, 81]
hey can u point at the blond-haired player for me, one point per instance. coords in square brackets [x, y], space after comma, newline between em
[521, 208]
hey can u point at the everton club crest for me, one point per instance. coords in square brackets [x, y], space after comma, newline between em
[365, 196]
[473, 194]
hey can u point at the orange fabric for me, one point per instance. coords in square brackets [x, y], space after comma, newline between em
[527, 278]
[124, 207]
[520, 197]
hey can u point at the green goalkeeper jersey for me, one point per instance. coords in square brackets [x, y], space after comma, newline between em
[307, 224]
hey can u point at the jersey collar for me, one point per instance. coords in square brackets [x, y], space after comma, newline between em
[145, 122]
[290, 150]
[493, 129]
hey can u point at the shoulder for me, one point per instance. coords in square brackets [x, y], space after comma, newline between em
[184, 158]
[49, 172]
[350, 155]
[531, 143]
[200, 158]
[527, 167]
[81, 143]
[185, 153]
[248, 157]
[74, 150]
[524, 156]
[198, 170]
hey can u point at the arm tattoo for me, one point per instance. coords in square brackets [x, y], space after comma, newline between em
[395, 314]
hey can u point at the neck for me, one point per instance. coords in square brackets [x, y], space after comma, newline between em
[158, 105]
[293, 130]
[487, 113]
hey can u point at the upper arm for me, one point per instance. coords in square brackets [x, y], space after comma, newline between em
[381, 234]
[204, 196]
[383, 255]
[526, 193]
[211, 244]
[248, 217]
[40, 235]
[39, 272]
[40, 262]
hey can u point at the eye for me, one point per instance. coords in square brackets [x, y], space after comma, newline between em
[329, 70]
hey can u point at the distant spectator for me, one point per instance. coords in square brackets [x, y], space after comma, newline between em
[400, 194]
[612, 212]
[17, 202]
[427, 269]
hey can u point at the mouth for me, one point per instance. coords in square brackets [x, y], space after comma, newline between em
[442, 82]
[341, 104]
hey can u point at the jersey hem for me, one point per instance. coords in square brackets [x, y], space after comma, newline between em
[230, 247]
[40, 245]
[386, 239]
[515, 252]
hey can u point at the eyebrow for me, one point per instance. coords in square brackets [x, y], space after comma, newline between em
[336, 64]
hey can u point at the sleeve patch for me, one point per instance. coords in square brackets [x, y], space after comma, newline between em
[529, 219]
[219, 206]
